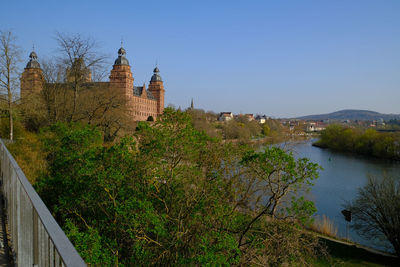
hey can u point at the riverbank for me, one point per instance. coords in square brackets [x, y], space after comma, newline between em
[268, 140]
[342, 175]
[366, 142]
[319, 145]
[349, 254]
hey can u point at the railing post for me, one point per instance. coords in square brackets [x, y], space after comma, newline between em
[36, 238]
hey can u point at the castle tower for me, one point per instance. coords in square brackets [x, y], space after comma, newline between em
[156, 87]
[32, 79]
[121, 76]
[78, 72]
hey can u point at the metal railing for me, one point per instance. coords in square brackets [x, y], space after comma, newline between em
[36, 238]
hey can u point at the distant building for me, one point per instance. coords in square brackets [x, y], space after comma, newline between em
[315, 127]
[310, 127]
[225, 116]
[261, 119]
[191, 105]
[249, 117]
[142, 103]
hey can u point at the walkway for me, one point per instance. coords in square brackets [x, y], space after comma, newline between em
[4, 252]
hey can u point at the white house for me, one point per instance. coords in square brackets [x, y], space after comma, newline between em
[315, 127]
[225, 116]
[261, 119]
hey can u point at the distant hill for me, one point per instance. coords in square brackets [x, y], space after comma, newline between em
[351, 114]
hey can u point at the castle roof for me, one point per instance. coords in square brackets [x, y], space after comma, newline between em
[121, 60]
[33, 63]
[156, 77]
[137, 91]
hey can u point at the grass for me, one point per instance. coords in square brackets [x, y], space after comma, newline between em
[27, 152]
[346, 254]
[325, 226]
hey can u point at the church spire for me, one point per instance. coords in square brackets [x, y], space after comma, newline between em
[192, 105]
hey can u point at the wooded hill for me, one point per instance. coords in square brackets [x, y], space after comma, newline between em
[351, 114]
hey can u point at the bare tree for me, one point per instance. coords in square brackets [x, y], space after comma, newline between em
[376, 210]
[81, 62]
[69, 94]
[57, 100]
[105, 109]
[50, 105]
[9, 72]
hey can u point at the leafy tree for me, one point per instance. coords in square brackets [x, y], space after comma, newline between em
[176, 197]
[204, 121]
[184, 163]
[366, 142]
[271, 176]
[329, 136]
[236, 130]
[271, 173]
[89, 187]
[266, 129]
[376, 210]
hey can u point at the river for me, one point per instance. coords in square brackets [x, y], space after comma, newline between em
[339, 181]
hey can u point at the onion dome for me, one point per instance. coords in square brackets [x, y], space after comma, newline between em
[33, 63]
[121, 60]
[156, 77]
[122, 51]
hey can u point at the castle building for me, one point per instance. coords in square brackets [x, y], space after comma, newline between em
[142, 103]
[32, 79]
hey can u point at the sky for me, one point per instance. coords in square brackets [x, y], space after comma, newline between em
[279, 58]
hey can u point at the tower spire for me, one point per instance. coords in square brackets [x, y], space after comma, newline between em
[121, 60]
[33, 63]
[156, 76]
[191, 104]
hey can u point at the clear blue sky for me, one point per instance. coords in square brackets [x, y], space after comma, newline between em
[280, 58]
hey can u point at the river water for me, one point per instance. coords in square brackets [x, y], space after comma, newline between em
[339, 181]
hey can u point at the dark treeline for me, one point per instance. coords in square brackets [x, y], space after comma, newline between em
[367, 142]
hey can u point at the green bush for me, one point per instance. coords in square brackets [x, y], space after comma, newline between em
[174, 196]
[365, 142]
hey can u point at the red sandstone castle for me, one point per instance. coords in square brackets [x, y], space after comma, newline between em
[142, 103]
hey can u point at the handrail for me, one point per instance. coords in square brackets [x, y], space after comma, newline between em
[36, 238]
